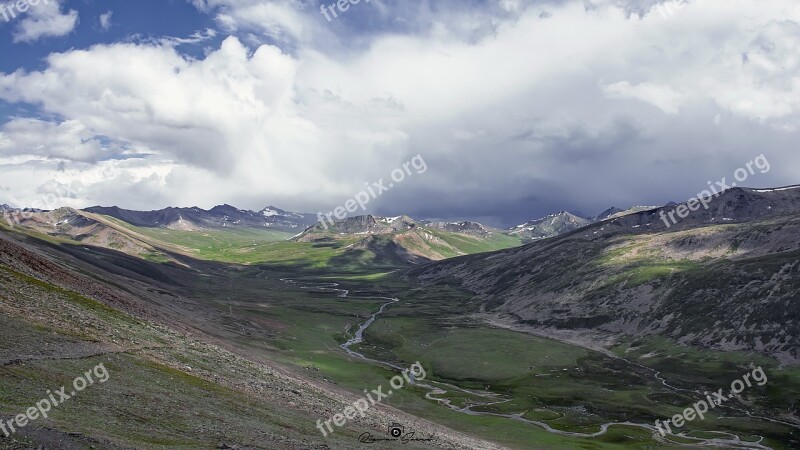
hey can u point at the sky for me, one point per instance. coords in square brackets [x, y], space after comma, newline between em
[518, 109]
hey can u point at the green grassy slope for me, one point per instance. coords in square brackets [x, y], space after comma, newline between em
[161, 391]
[468, 244]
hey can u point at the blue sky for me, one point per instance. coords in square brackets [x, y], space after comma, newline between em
[129, 20]
[520, 108]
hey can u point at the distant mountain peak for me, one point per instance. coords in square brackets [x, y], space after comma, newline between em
[607, 213]
[226, 209]
[549, 226]
[464, 227]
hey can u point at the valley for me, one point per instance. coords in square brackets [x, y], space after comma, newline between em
[582, 340]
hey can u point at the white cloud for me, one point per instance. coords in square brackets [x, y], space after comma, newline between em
[662, 97]
[69, 140]
[200, 112]
[105, 20]
[281, 20]
[45, 20]
[194, 38]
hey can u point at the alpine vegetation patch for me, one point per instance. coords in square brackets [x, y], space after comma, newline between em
[360, 406]
[699, 409]
[45, 405]
[714, 190]
[374, 191]
[329, 11]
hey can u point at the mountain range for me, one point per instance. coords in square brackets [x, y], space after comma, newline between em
[193, 219]
[362, 239]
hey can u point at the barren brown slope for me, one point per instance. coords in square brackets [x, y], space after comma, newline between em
[79, 227]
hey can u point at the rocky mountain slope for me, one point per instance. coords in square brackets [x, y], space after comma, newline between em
[735, 205]
[465, 227]
[606, 214]
[565, 222]
[70, 225]
[369, 224]
[726, 277]
[553, 225]
[614, 212]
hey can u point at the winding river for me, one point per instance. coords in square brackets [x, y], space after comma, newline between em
[436, 389]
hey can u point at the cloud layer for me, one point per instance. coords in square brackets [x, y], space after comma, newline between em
[519, 108]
